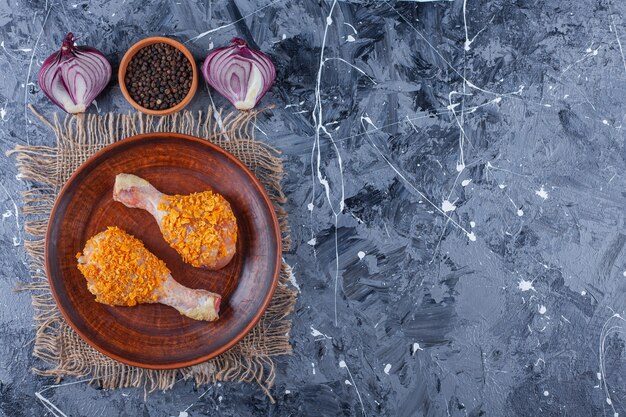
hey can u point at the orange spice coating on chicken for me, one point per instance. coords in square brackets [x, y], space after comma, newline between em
[196, 225]
[121, 271]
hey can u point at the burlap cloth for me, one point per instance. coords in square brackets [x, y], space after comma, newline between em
[47, 168]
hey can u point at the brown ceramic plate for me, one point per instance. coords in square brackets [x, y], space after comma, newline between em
[156, 336]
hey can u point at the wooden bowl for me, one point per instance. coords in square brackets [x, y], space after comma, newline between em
[154, 335]
[121, 74]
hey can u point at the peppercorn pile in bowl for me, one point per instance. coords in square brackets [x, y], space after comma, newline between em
[158, 76]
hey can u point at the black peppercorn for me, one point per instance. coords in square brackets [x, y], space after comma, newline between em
[158, 76]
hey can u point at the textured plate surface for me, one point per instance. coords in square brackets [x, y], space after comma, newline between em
[157, 336]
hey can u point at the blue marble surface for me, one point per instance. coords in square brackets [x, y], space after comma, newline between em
[456, 194]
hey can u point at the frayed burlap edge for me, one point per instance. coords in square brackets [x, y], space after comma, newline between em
[48, 168]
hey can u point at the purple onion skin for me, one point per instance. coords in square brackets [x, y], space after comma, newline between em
[74, 76]
[241, 74]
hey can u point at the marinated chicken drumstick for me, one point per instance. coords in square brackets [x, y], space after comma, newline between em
[201, 227]
[120, 271]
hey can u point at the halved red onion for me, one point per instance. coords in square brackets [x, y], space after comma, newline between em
[74, 76]
[242, 75]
